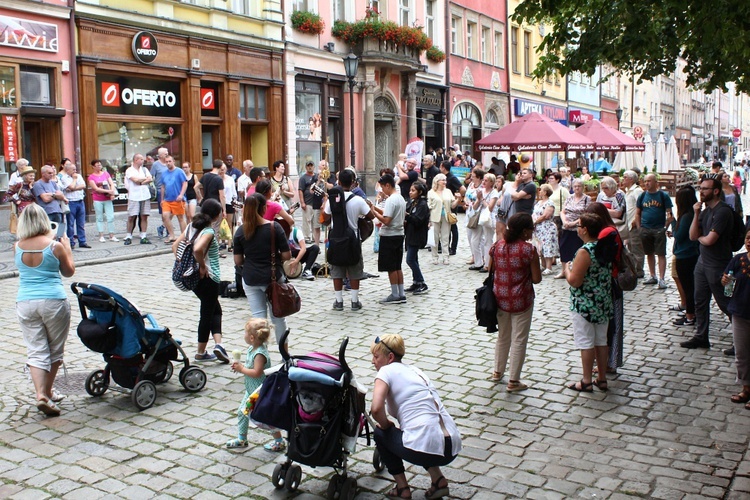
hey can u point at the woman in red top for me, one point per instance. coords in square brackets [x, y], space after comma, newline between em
[609, 249]
[514, 267]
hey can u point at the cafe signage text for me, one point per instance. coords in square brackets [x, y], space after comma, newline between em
[24, 34]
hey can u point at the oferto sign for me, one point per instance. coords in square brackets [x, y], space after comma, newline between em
[124, 95]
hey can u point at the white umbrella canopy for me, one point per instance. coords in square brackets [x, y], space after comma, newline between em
[660, 154]
[628, 159]
[672, 157]
[648, 153]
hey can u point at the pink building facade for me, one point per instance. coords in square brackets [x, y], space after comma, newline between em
[37, 58]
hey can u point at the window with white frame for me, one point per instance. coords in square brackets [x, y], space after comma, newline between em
[471, 42]
[429, 18]
[527, 53]
[303, 5]
[404, 12]
[246, 7]
[485, 44]
[499, 49]
[514, 49]
[341, 10]
[456, 45]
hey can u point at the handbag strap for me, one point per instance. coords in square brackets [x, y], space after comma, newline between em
[273, 250]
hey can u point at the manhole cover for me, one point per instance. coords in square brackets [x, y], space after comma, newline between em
[72, 383]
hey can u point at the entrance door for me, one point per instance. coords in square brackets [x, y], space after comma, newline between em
[42, 141]
[383, 145]
[209, 144]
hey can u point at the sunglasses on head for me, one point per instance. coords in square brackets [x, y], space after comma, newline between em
[379, 341]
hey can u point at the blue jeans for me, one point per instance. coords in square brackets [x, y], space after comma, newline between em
[261, 308]
[412, 260]
[102, 209]
[77, 221]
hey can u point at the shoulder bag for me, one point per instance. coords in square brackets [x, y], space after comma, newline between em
[283, 296]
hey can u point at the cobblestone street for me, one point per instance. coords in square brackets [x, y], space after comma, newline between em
[665, 429]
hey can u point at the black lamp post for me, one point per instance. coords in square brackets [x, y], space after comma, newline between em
[618, 114]
[351, 63]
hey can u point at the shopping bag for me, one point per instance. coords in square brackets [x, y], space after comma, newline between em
[430, 237]
[224, 232]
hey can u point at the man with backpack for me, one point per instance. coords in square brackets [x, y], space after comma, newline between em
[713, 229]
[344, 244]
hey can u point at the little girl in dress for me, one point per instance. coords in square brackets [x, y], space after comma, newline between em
[257, 332]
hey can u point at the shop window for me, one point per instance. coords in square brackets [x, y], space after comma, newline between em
[8, 94]
[119, 141]
[465, 119]
[308, 120]
[253, 103]
[37, 87]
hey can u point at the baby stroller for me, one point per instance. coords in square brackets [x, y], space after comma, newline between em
[138, 356]
[324, 416]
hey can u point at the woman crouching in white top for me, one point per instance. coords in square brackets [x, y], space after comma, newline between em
[426, 435]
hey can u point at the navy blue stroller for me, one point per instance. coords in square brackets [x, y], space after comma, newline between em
[137, 356]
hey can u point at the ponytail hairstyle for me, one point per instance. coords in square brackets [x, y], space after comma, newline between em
[421, 188]
[517, 224]
[260, 327]
[210, 210]
[255, 207]
[264, 187]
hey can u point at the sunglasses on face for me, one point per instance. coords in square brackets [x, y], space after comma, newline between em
[378, 341]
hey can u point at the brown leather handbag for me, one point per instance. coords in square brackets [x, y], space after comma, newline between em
[282, 295]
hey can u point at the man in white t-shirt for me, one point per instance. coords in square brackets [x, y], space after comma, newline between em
[391, 251]
[244, 181]
[137, 179]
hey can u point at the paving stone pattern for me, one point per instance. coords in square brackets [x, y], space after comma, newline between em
[666, 429]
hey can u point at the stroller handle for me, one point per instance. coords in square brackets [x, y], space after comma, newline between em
[342, 350]
[76, 285]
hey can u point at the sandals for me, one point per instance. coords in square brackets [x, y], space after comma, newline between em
[496, 376]
[514, 386]
[742, 397]
[48, 407]
[437, 491]
[237, 443]
[582, 386]
[275, 446]
[57, 396]
[397, 492]
[601, 385]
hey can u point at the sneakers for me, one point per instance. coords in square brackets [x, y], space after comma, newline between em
[683, 322]
[102, 239]
[206, 356]
[307, 275]
[338, 306]
[695, 343]
[145, 241]
[413, 287]
[391, 299]
[727, 352]
[421, 289]
[160, 231]
[83, 245]
[275, 445]
[128, 241]
[113, 238]
[356, 306]
[662, 284]
[221, 354]
[651, 281]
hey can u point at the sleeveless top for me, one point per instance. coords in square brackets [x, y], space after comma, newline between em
[253, 383]
[593, 299]
[43, 281]
[190, 191]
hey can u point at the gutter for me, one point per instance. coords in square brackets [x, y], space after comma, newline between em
[74, 86]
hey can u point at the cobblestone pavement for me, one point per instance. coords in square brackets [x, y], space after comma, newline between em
[665, 429]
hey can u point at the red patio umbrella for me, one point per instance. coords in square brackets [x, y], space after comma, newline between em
[534, 132]
[607, 138]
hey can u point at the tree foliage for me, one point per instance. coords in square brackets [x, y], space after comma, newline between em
[644, 38]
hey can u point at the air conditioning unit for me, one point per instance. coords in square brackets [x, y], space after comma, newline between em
[35, 88]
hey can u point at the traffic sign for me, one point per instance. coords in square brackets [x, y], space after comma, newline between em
[637, 132]
[736, 132]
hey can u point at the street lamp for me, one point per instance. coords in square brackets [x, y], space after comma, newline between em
[351, 63]
[618, 114]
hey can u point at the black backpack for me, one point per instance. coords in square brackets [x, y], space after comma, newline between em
[737, 237]
[185, 273]
[344, 246]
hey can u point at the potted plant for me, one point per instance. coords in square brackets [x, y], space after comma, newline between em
[434, 54]
[372, 27]
[307, 22]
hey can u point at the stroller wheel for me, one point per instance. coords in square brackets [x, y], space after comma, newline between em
[333, 486]
[97, 383]
[168, 372]
[376, 462]
[192, 378]
[278, 476]
[144, 394]
[348, 489]
[293, 478]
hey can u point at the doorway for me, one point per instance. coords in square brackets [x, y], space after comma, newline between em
[209, 145]
[42, 142]
[384, 156]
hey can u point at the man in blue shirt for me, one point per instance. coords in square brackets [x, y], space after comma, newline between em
[173, 187]
[653, 215]
[49, 196]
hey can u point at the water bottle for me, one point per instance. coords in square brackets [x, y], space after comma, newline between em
[729, 287]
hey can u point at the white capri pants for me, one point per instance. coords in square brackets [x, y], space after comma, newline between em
[45, 324]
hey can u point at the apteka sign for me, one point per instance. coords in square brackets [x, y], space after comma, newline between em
[25, 34]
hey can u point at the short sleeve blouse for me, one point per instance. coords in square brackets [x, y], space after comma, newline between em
[511, 282]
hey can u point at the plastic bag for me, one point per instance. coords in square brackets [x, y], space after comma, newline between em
[224, 232]
[430, 237]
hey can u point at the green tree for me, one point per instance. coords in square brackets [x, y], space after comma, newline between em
[644, 38]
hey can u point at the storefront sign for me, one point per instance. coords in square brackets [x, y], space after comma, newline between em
[578, 116]
[7, 87]
[557, 113]
[10, 138]
[25, 34]
[124, 95]
[209, 99]
[428, 97]
[145, 47]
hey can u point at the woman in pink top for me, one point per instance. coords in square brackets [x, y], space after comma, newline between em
[103, 192]
[273, 209]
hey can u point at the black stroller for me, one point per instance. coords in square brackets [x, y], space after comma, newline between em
[138, 356]
[327, 417]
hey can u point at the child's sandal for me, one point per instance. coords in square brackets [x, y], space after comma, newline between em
[237, 443]
[275, 445]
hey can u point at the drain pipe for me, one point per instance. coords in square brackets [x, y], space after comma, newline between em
[74, 87]
[448, 47]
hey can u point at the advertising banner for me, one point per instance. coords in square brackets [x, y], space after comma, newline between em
[125, 95]
[10, 138]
